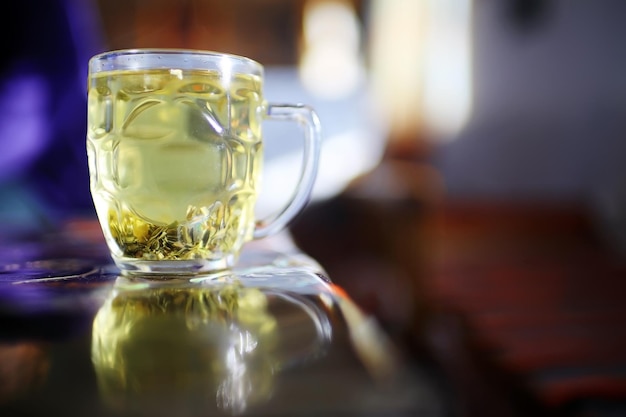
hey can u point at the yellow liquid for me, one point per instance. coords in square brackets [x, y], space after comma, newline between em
[175, 158]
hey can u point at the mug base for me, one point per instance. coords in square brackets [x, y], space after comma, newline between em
[165, 269]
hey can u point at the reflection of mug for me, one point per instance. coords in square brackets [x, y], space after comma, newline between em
[206, 347]
[175, 154]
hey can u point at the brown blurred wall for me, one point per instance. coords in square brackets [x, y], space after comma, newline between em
[265, 30]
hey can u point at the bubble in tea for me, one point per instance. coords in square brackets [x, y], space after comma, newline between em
[175, 157]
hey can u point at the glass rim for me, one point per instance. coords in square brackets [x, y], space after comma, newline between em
[172, 58]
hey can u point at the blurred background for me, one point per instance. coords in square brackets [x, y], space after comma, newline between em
[474, 153]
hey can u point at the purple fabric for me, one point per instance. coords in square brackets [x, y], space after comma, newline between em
[43, 102]
[23, 130]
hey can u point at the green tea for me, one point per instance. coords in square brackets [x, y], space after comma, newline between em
[175, 157]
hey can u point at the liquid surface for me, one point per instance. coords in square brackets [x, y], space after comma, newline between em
[174, 160]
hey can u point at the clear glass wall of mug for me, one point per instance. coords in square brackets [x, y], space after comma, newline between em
[175, 155]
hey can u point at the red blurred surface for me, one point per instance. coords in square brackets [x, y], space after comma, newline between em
[542, 292]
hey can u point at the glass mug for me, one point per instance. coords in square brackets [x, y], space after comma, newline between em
[175, 156]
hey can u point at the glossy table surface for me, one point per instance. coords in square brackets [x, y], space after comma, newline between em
[273, 336]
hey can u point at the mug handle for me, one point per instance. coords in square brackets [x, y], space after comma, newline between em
[306, 117]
